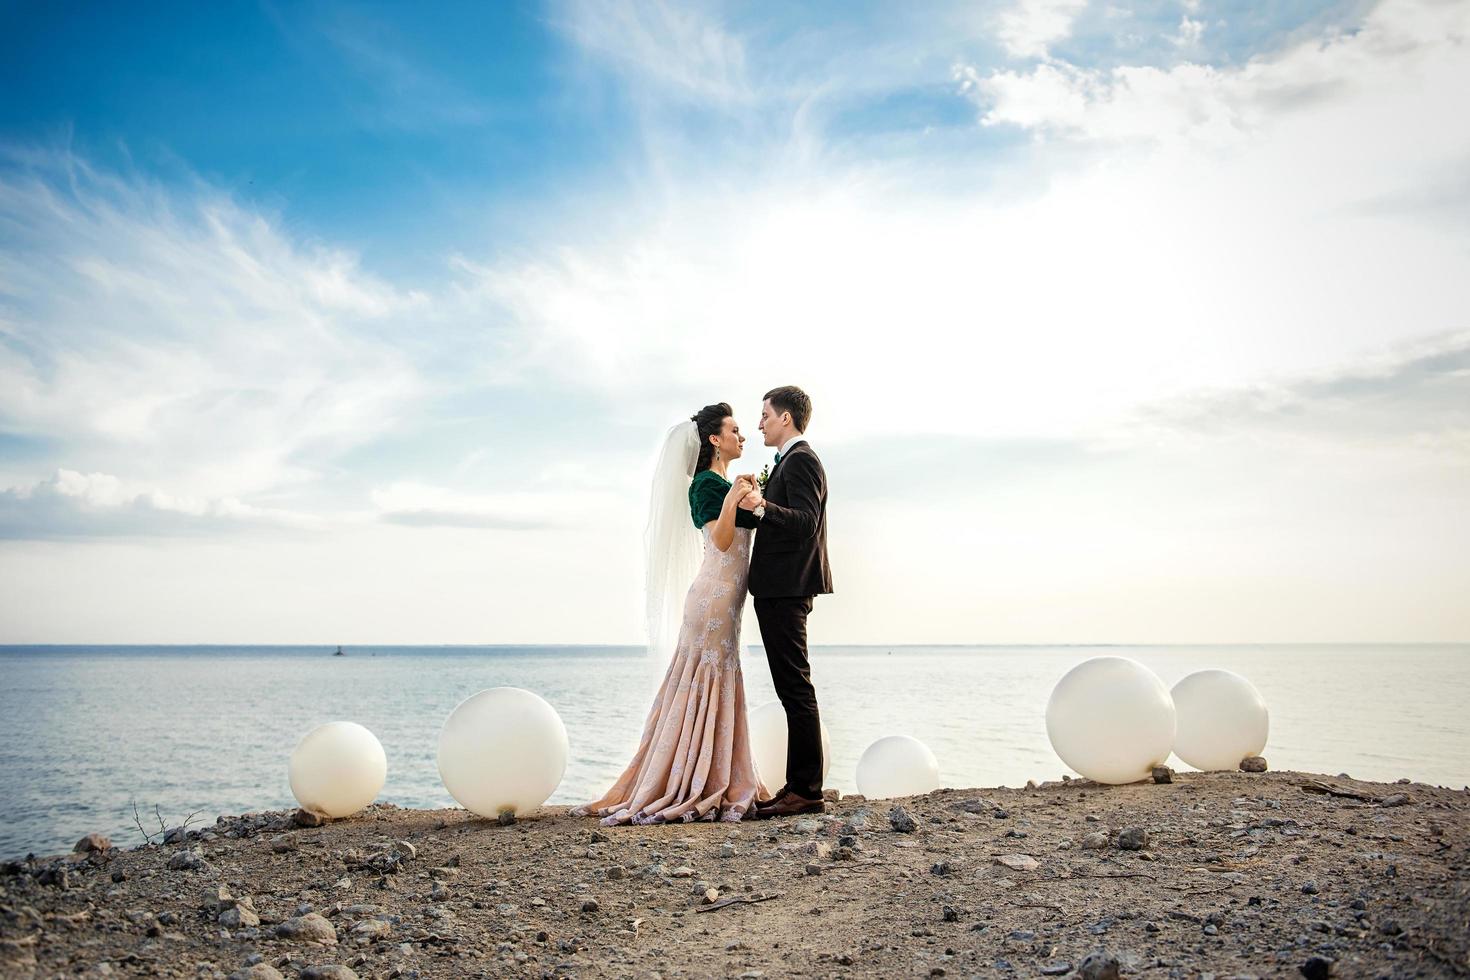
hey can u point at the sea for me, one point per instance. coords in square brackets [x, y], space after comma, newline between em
[88, 733]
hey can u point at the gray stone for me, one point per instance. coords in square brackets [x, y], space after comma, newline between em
[1098, 966]
[1395, 799]
[190, 860]
[1163, 774]
[305, 818]
[403, 850]
[1318, 968]
[590, 905]
[727, 850]
[257, 971]
[1057, 969]
[1254, 763]
[372, 929]
[1095, 841]
[309, 928]
[241, 915]
[900, 820]
[1133, 839]
[506, 818]
[1309, 887]
[329, 971]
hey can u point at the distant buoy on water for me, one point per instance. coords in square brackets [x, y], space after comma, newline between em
[339, 653]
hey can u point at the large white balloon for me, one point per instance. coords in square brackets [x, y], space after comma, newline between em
[1111, 719]
[337, 769]
[897, 765]
[1222, 720]
[767, 725]
[501, 750]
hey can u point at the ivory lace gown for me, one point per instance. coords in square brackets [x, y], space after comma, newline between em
[693, 761]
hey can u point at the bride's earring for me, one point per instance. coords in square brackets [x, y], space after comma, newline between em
[717, 454]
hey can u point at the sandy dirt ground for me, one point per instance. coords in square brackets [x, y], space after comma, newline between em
[1223, 874]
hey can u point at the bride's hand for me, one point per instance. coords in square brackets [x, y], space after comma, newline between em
[743, 485]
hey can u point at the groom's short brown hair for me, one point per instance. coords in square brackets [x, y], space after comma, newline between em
[789, 398]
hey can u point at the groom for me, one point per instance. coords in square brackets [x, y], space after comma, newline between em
[788, 568]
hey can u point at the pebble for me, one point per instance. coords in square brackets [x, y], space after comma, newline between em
[813, 870]
[404, 851]
[1095, 841]
[439, 893]
[1059, 969]
[1390, 927]
[1318, 968]
[506, 818]
[951, 914]
[590, 905]
[1098, 966]
[806, 825]
[330, 971]
[1163, 774]
[241, 915]
[1395, 799]
[257, 971]
[1309, 887]
[1018, 862]
[305, 818]
[1133, 839]
[98, 842]
[309, 928]
[373, 929]
[190, 860]
[1254, 763]
[900, 820]
[727, 850]
[711, 895]
[682, 871]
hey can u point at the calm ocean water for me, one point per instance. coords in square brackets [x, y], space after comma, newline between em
[86, 730]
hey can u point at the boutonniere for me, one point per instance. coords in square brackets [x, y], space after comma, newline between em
[765, 476]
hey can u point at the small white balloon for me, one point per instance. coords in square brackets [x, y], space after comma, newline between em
[337, 769]
[503, 749]
[767, 725]
[1111, 719]
[1222, 720]
[897, 765]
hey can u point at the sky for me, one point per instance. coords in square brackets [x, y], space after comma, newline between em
[357, 323]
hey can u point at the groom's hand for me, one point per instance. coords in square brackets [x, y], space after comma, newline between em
[752, 500]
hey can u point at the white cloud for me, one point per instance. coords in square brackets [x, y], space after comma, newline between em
[87, 505]
[1029, 27]
[1190, 31]
[181, 339]
[680, 49]
[1415, 46]
[424, 505]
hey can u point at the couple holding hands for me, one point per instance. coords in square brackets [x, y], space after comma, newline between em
[693, 760]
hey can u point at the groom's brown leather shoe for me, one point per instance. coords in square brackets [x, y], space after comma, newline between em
[789, 804]
[774, 797]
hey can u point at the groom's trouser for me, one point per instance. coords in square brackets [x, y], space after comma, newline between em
[783, 631]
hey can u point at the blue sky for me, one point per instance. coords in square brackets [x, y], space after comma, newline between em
[1125, 322]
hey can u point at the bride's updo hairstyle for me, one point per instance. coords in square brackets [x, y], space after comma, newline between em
[711, 422]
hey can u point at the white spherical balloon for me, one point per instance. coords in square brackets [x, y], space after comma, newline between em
[767, 725]
[897, 765]
[1222, 720]
[501, 750]
[1111, 719]
[337, 769]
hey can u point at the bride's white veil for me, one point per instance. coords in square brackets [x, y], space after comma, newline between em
[672, 544]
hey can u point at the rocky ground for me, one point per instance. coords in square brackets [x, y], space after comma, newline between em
[1230, 874]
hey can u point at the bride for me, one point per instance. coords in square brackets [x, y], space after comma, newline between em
[693, 761]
